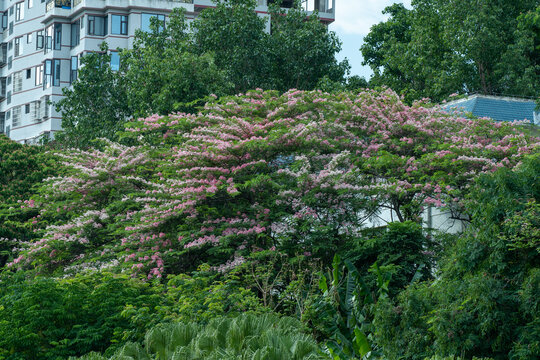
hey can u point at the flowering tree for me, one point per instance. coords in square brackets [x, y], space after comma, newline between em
[300, 172]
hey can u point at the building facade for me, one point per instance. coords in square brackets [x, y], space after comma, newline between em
[42, 42]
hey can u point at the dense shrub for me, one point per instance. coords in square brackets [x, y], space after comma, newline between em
[482, 303]
[45, 318]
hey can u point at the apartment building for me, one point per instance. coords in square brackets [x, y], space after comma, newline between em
[42, 42]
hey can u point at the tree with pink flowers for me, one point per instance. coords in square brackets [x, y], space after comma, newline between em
[301, 173]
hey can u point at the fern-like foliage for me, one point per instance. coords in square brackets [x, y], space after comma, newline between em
[248, 336]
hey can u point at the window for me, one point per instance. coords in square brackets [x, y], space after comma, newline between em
[11, 11]
[57, 36]
[115, 61]
[11, 28]
[39, 39]
[74, 67]
[5, 20]
[52, 73]
[27, 108]
[36, 110]
[39, 75]
[48, 38]
[56, 72]
[16, 116]
[30, 4]
[10, 62]
[10, 45]
[146, 21]
[47, 79]
[18, 46]
[28, 73]
[8, 97]
[17, 81]
[75, 33]
[19, 11]
[97, 25]
[29, 38]
[119, 24]
[9, 80]
[45, 105]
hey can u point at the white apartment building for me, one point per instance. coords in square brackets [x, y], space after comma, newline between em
[43, 40]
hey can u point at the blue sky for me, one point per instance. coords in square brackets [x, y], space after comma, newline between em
[354, 18]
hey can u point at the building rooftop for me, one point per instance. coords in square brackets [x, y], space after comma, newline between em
[497, 107]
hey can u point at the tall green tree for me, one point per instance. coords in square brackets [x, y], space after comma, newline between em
[235, 34]
[162, 73]
[297, 53]
[96, 105]
[302, 51]
[439, 47]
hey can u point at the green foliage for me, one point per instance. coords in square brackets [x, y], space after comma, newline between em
[441, 47]
[401, 248]
[44, 318]
[234, 33]
[96, 105]
[302, 51]
[243, 337]
[482, 303]
[163, 74]
[297, 52]
[22, 168]
[206, 295]
[342, 314]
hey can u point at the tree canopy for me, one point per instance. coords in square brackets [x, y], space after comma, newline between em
[441, 47]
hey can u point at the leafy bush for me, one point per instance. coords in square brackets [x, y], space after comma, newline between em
[44, 318]
[482, 303]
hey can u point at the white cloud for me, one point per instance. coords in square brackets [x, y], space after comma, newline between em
[357, 16]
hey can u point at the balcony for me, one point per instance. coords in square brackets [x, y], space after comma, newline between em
[62, 4]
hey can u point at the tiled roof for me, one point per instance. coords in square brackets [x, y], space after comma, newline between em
[495, 107]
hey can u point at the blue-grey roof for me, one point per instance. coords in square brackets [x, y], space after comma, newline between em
[497, 108]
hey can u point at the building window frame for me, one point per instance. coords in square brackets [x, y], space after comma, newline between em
[75, 33]
[74, 69]
[40, 40]
[39, 75]
[97, 25]
[57, 36]
[119, 24]
[146, 21]
[19, 11]
[48, 38]
[18, 51]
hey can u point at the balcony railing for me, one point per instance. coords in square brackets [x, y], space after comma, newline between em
[77, 2]
[63, 4]
[326, 6]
